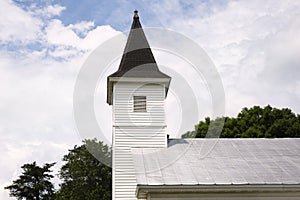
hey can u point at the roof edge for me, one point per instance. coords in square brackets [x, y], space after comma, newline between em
[139, 79]
[216, 188]
[112, 80]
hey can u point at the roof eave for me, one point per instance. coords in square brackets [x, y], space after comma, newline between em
[216, 188]
[112, 80]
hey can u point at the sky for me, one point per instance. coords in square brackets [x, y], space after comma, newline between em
[254, 46]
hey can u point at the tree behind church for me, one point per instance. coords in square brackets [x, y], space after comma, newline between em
[255, 122]
[34, 183]
[83, 176]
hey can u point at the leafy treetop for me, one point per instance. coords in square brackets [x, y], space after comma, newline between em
[255, 122]
[83, 176]
[34, 183]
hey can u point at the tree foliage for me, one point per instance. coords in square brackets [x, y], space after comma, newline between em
[34, 183]
[83, 176]
[256, 122]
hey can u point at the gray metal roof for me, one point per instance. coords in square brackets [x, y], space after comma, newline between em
[219, 162]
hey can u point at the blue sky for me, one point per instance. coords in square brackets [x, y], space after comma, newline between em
[101, 12]
[43, 44]
[109, 12]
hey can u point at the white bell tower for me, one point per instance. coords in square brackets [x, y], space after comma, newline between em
[137, 93]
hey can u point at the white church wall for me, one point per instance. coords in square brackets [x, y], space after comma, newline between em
[134, 129]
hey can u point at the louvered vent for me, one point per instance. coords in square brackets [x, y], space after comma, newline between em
[139, 104]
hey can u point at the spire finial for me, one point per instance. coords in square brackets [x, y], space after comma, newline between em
[136, 14]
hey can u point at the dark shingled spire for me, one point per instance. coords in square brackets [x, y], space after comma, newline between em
[137, 60]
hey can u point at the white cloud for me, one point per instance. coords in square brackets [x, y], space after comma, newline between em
[49, 11]
[254, 45]
[82, 27]
[68, 43]
[97, 36]
[36, 114]
[58, 34]
[36, 86]
[53, 10]
[16, 25]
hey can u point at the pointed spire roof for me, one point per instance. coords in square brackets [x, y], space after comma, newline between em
[137, 60]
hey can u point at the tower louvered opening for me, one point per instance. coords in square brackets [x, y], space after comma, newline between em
[139, 104]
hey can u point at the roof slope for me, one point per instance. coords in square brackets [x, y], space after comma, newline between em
[219, 162]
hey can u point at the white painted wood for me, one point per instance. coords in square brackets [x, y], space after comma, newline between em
[135, 129]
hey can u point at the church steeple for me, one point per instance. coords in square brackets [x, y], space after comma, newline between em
[137, 60]
[136, 92]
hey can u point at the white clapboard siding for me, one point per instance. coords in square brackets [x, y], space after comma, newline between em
[134, 129]
[123, 104]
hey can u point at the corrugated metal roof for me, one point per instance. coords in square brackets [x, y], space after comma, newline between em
[219, 161]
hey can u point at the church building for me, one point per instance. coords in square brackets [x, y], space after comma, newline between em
[148, 165]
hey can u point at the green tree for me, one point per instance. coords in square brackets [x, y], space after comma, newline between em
[83, 176]
[202, 128]
[252, 132]
[34, 183]
[255, 122]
